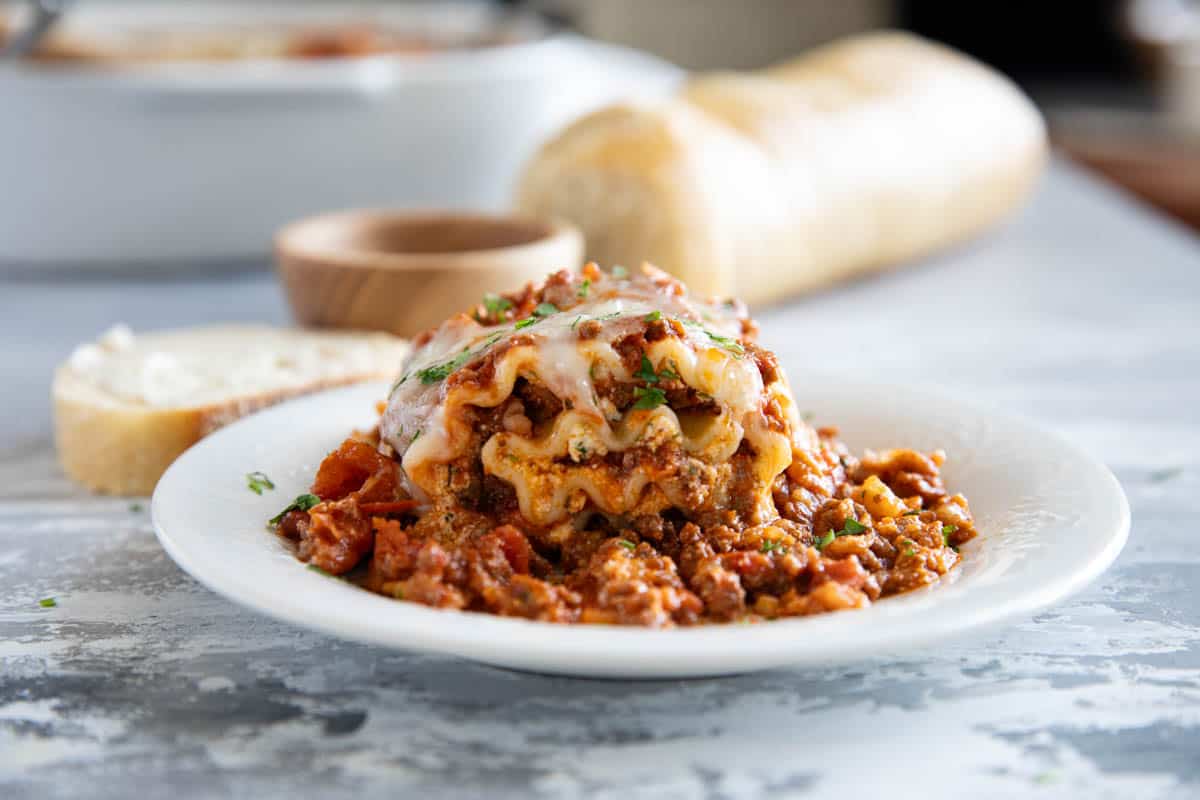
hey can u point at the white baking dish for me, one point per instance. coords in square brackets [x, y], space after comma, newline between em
[193, 163]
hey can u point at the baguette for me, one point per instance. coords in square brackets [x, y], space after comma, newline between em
[125, 407]
[858, 156]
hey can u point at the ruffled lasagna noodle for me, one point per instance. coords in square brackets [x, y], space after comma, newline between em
[578, 405]
[605, 448]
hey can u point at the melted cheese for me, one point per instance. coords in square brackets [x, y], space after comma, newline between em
[425, 423]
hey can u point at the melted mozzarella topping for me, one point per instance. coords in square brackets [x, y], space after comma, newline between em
[420, 420]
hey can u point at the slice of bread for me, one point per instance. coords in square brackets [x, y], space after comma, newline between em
[126, 406]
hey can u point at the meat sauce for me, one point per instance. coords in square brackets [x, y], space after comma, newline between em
[820, 530]
[826, 552]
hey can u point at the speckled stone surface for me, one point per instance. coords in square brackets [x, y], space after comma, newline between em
[1084, 313]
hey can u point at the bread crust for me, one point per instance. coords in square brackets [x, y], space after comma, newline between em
[113, 447]
[857, 157]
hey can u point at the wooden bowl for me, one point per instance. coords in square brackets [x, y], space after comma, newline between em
[405, 272]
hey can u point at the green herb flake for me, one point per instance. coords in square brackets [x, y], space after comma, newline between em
[495, 304]
[824, 541]
[770, 546]
[584, 288]
[575, 324]
[909, 552]
[648, 398]
[257, 481]
[646, 371]
[620, 273]
[135, 508]
[730, 344]
[914, 512]
[47, 602]
[653, 316]
[302, 503]
[727, 342]
[628, 545]
[513, 459]
[525, 323]
[416, 436]
[946, 531]
[439, 372]
[545, 309]
[852, 528]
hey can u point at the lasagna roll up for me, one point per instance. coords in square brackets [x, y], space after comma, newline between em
[609, 393]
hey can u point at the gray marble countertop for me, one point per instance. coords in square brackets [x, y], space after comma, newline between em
[1084, 313]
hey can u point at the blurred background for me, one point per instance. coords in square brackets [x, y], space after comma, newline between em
[184, 143]
[1119, 80]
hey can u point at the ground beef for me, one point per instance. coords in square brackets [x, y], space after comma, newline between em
[823, 551]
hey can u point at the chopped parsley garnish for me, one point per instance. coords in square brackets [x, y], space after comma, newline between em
[439, 372]
[545, 309]
[653, 316]
[584, 288]
[730, 344]
[912, 513]
[47, 602]
[495, 304]
[620, 273]
[576, 322]
[946, 531]
[824, 541]
[525, 323]
[628, 545]
[648, 398]
[302, 503]
[581, 450]
[135, 507]
[416, 436]
[646, 371]
[770, 546]
[257, 481]
[852, 528]
[727, 342]
[910, 552]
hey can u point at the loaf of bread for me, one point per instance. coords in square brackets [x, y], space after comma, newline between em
[858, 156]
[126, 406]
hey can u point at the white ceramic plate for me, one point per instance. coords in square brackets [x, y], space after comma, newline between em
[1051, 519]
